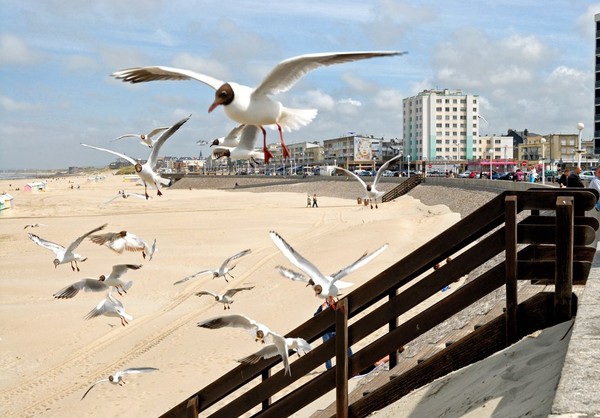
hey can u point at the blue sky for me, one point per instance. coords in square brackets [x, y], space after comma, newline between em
[530, 62]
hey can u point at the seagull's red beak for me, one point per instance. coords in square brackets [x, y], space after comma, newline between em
[213, 106]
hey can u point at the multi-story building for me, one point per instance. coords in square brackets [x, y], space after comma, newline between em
[441, 125]
[355, 151]
[597, 90]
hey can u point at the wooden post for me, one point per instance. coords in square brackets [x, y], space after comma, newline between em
[510, 228]
[392, 326]
[341, 359]
[191, 410]
[563, 288]
[265, 375]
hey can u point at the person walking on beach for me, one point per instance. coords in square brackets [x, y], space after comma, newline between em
[308, 201]
[314, 201]
[573, 180]
[562, 181]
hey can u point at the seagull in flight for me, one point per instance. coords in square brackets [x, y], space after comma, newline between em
[224, 298]
[223, 270]
[64, 255]
[124, 241]
[103, 283]
[145, 139]
[110, 306]
[36, 225]
[232, 139]
[253, 105]
[244, 150]
[299, 345]
[260, 332]
[117, 378]
[146, 170]
[124, 195]
[371, 189]
[325, 287]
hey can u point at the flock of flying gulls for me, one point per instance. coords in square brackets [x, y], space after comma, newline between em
[253, 109]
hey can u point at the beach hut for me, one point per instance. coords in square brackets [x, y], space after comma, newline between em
[37, 186]
[6, 201]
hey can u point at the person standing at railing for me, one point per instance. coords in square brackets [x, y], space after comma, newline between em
[595, 184]
[573, 180]
[328, 335]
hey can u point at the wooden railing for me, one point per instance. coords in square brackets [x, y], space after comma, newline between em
[403, 188]
[552, 247]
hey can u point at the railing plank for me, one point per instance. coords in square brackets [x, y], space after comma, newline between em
[564, 257]
[510, 228]
[341, 358]
[546, 234]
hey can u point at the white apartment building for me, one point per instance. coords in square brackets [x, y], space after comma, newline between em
[441, 125]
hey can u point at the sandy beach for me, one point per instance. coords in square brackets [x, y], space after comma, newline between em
[50, 355]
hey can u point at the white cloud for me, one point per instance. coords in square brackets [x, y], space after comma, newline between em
[202, 65]
[358, 83]
[15, 51]
[12, 105]
[319, 100]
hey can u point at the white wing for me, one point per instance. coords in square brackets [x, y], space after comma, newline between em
[156, 131]
[248, 138]
[268, 351]
[144, 74]
[104, 306]
[347, 172]
[185, 279]
[161, 140]
[119, 269]
[133, 370]
[296, 259]
[126, 136]
[76, 243]
[235, 257]
[232, 292]
[55, 248]
[288, 72]
[153, 249]
[207, 292]
[364, 259]
[383, 168]
[298, 345]
[234, 320]
[292, 275]
[118, 154]
[232, 138]
[87, 284]
[91, 387]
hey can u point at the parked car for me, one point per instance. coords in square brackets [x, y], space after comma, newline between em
[465, 174]
[389, 173]
[436, 173]
[587, 175]
[507, 176]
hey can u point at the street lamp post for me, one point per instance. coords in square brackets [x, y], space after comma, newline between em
[408, 169]
[491, 150]
[543, 141]
[374, 164]
[445, 167]
[580, 127]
